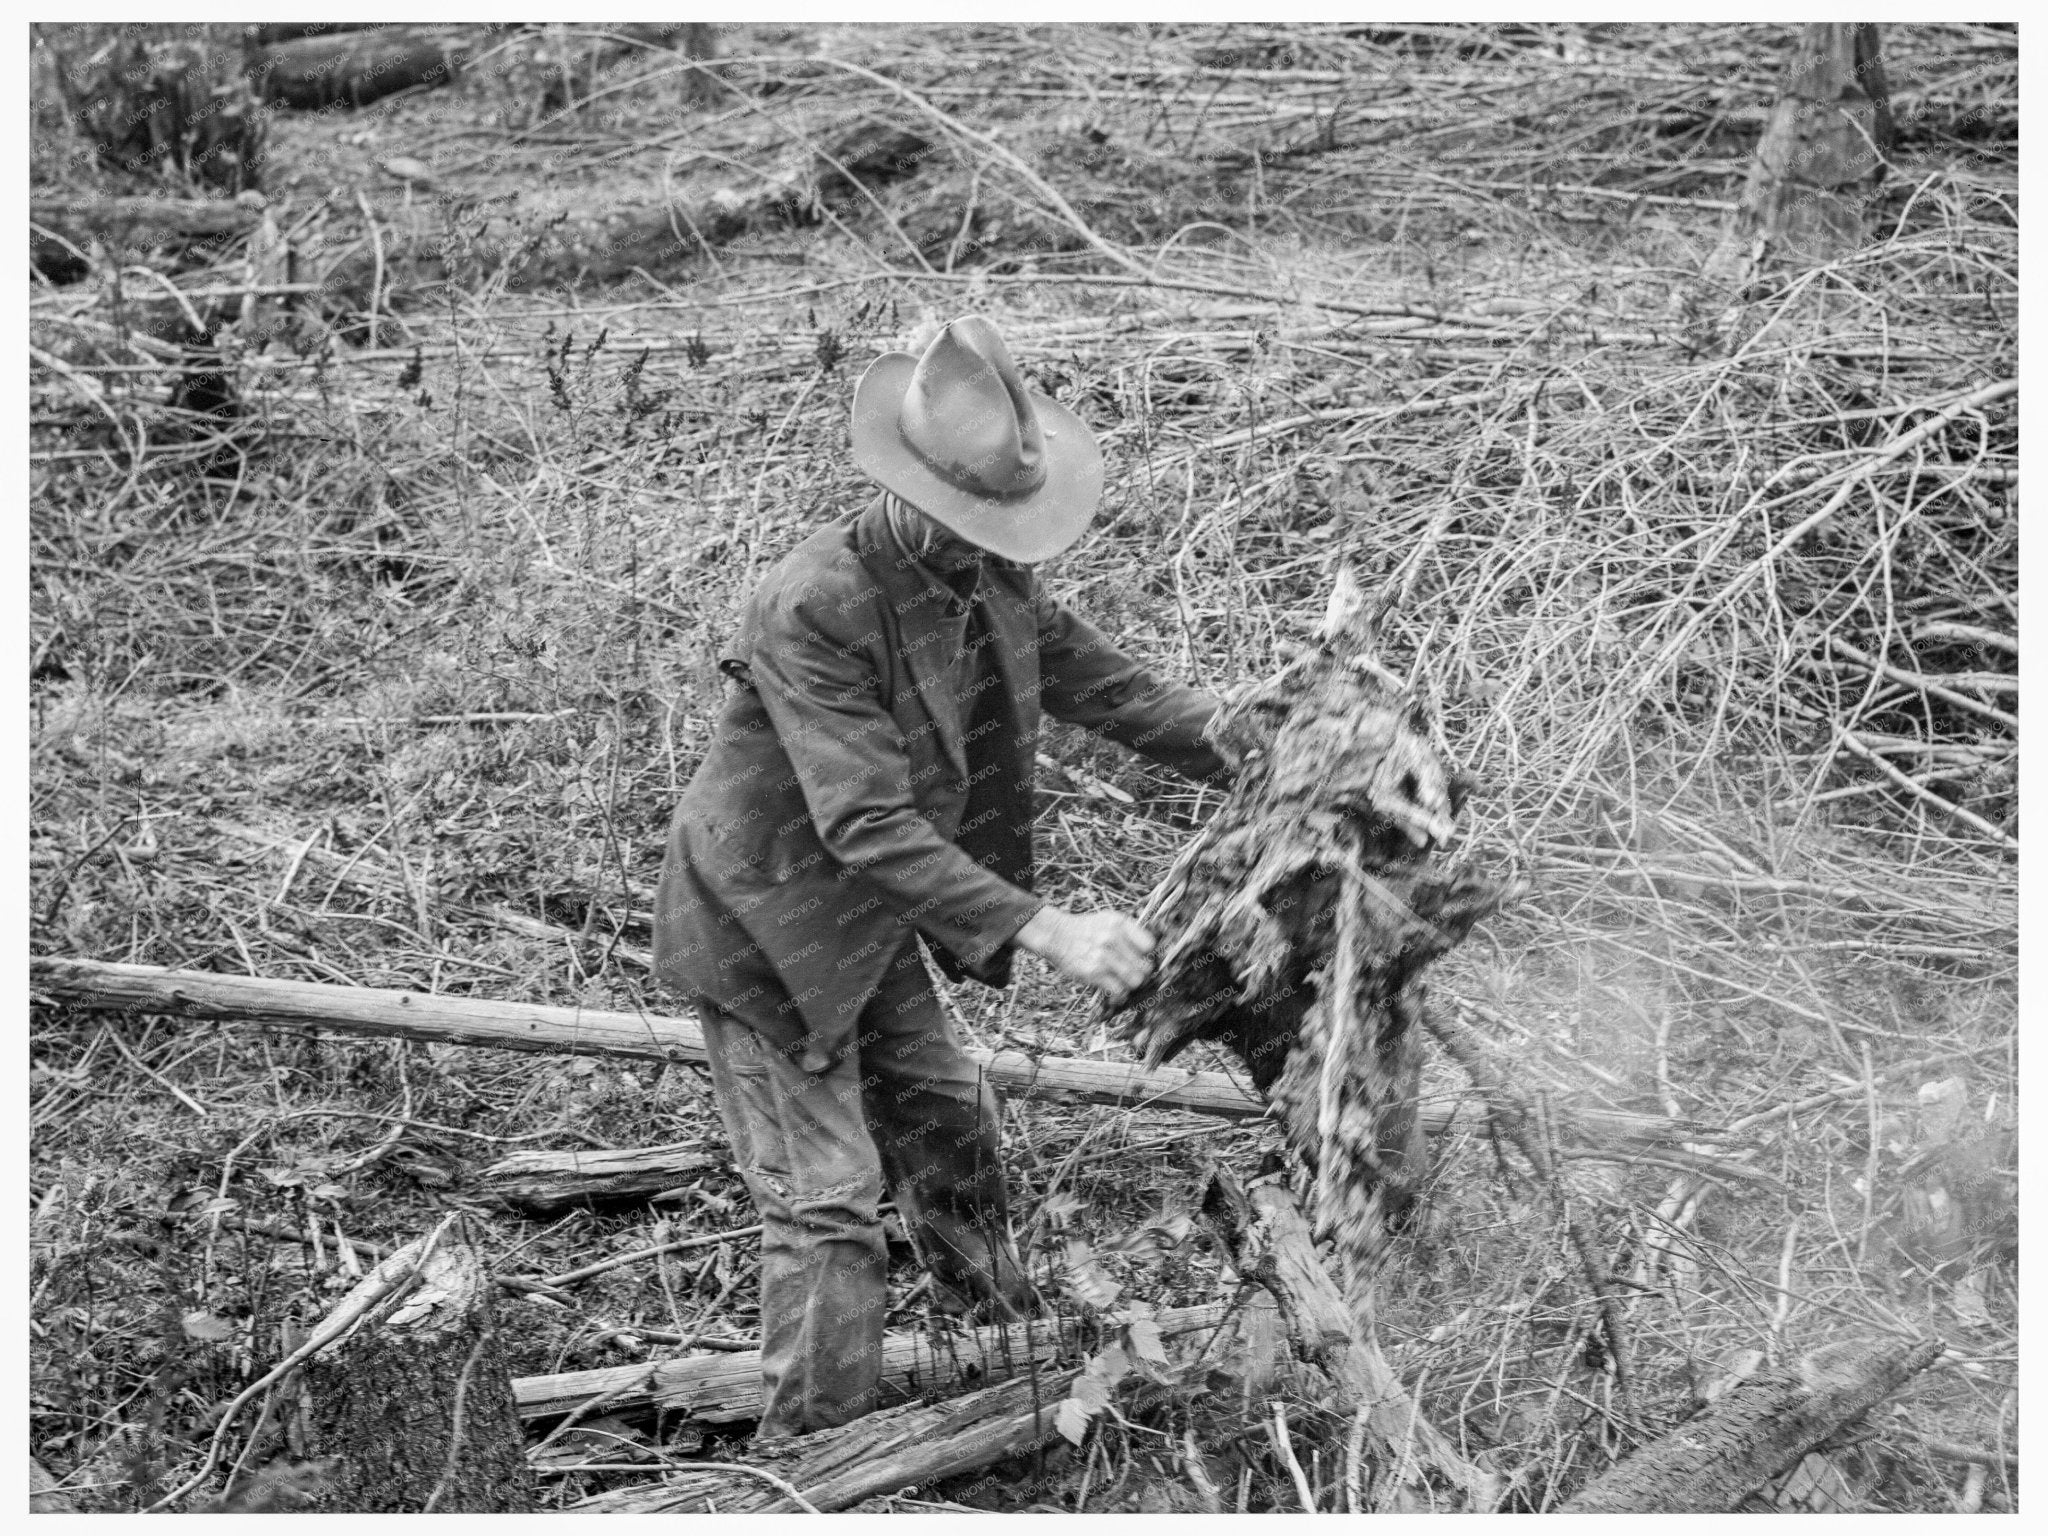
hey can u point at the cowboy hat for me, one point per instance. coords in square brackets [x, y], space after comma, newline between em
[956, 434]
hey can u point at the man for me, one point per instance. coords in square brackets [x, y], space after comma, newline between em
[868, 781]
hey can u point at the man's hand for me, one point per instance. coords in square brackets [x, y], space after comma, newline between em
[1106, 950]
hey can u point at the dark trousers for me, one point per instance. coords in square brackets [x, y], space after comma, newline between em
[903, 1108]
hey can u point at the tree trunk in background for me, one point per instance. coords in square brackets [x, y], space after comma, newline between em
[414, 1406]
[1822, 150]
[355, 68]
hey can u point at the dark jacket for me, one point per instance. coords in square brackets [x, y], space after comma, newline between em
[848, 796]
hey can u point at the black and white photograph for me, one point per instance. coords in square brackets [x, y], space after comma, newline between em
[1049, 765]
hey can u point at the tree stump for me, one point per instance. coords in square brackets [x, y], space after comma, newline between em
[414, 1405]
[1823, 149]
[168, 109]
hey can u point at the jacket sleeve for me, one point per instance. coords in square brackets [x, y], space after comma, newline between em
[1084, 679]
[850, 761]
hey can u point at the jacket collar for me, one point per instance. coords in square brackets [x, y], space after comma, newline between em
[918, 606]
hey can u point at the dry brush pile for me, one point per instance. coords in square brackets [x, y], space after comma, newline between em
[379, 551]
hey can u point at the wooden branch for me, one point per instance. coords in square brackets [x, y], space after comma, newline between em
[1600, 1134]
[727, 1387]
[1270, 1242]
[881, 1453]
[564, 1031]
[1757, 1431]
[547, 1183]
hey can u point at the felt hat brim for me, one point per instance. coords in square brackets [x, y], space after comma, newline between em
[1028, 528]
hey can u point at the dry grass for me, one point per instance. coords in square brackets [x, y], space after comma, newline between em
[1678, 570]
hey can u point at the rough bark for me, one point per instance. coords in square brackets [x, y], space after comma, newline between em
[1823, 149]
[726, 1388]
[1582, 1132]
[1758, 1430]
[356, 68]
[44, 1496]
[414, 1404]
[1269, 1242]
[548, 1183]
[881, 1453]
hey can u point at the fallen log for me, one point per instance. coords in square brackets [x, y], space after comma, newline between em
[881, 1453]
[356, 68]
[131, 229]
[727, 1387]
[1758, 1430]
[412, 1409]
[1584, 1132]
[548, 1183]
[1269, 1242]
[839, 172]
[263, 34]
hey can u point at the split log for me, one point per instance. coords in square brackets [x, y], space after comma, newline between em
[1758, 1430]
[412, 1408]
[1583, 1132]
[881, 1453]
[1269, 1242]
[548, 1183]
[356, 68]
[727, 1387]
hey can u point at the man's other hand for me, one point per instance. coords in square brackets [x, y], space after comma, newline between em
[1106, 950]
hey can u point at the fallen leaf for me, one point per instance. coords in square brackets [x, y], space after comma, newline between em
[207, 1328]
